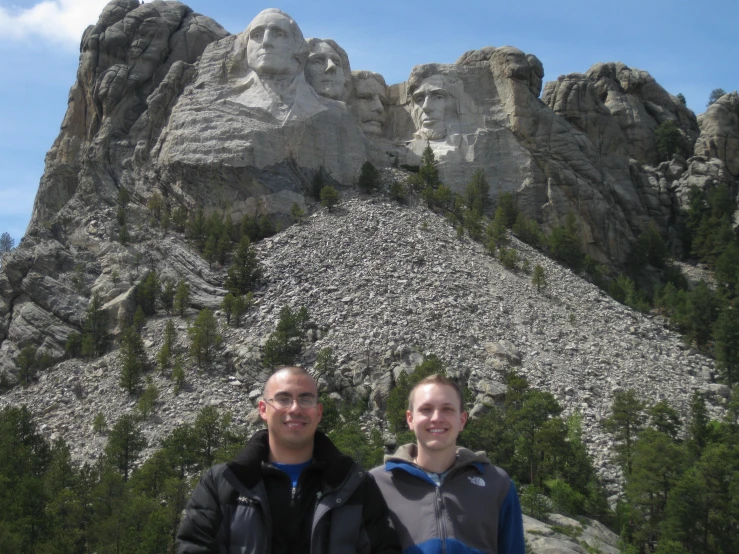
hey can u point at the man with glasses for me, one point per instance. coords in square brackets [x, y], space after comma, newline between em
[289, 490]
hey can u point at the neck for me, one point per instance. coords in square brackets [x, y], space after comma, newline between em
[436, 462]
[281, 455]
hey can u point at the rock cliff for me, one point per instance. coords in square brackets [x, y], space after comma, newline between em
[166, 101]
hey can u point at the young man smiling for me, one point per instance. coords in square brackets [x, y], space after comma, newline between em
[444, 498]
[289, 491]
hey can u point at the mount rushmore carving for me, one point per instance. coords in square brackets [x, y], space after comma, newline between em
[168, 101]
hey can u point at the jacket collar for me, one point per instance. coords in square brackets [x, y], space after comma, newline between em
[333, 465]
[406, 454]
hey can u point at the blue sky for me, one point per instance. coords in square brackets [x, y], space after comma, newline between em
[687, 46]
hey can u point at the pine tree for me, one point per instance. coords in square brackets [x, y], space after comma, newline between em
[726, 344]
[210, 252]
[241, 306]
[209, 431]
[124, 445]
[297, 213]
[369, 178]
[95, 329]
[182, 298]
[507, 205]
[167, 295]
[329, 197]
[428, 171]
[227, 306]
[625, 424]
[285, 343]
[245, 271]
[27, 364]
[495, 234]
[477, 191]
[223, 248]
[196, 228]
[701, 313]
[139, 319]
[698, 430]
[715, 95]
[668, 139]
[178, 375]
[539, 278]
[326, 361]
[147, 401]
[565, 243]
[204, 337]
[165, 352]
[6, 243]
[133, 359]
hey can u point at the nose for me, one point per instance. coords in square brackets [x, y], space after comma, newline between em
[426, 104]
[330, 66]
[268, 38]
[376, 106]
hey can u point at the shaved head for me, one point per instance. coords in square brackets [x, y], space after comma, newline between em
[287, 370]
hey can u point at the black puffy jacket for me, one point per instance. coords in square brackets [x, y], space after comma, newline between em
[229, 511]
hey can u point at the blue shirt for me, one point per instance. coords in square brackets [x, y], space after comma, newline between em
[293, 470]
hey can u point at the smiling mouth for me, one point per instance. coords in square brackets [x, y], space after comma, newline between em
[437, 431]
[295, 424]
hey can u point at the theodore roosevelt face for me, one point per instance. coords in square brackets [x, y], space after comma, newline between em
[368, 104]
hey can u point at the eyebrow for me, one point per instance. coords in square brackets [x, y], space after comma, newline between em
[301, 395]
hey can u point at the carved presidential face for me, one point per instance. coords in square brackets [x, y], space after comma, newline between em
[272, 45]
[368, 104]
[325, 72]
[431, 106]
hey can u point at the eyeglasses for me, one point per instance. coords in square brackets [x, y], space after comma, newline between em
[285, 402]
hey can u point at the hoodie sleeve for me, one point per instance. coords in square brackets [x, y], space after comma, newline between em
[510, 525]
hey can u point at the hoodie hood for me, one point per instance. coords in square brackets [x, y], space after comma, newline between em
[408, 452]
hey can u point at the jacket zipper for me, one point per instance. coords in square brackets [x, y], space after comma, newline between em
[440, 519]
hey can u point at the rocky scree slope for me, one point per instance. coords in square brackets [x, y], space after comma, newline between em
[387, 285]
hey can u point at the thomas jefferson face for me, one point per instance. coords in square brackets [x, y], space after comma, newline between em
[324, 71]
[272, 46]
[369, 104]
[430, 103]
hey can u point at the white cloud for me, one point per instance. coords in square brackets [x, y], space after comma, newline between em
[56, 21]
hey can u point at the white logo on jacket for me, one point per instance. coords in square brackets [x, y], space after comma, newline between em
[479, 481]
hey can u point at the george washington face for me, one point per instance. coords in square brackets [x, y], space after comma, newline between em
[273, 44]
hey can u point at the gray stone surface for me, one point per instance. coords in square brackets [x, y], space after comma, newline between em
[165, 101]
[386, 286]
[719, 132]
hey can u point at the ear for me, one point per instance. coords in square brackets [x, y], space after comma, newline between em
[319, 412]
[409, 419]
[263, 410]
[463, 417]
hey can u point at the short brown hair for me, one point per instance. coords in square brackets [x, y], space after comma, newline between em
[436, 379]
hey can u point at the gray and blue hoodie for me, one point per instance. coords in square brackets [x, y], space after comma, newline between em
[474, 509]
